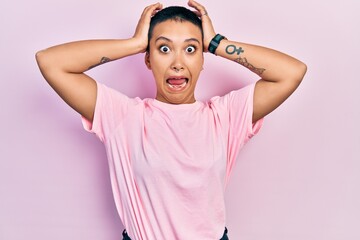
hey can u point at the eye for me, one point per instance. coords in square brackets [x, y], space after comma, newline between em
[190, 49]
[164, 49]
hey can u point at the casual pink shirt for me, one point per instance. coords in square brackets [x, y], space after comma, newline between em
[169, 164]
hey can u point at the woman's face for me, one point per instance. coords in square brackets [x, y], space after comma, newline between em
[176, 60]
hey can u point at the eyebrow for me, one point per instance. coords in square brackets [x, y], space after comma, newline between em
[169, 40]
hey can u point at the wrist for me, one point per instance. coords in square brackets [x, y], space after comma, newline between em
[207, 42]
[140, 46]
[215, 42]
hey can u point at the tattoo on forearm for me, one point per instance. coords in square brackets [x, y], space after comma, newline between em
[245, 63]
[231, 49]
[102, 61]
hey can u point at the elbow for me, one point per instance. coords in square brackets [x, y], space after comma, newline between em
[302, 70]
[299, 72]
[43, 61]
[40, 57]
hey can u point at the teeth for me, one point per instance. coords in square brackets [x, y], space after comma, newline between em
[177, 86]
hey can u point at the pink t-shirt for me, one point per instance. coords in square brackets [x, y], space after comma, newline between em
[169, 164]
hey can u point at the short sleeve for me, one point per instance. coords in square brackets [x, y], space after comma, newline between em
[237, 113]
[241, 105]
[110, 108]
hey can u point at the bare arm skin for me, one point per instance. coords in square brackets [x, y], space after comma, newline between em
[63, 66]
[280, 74]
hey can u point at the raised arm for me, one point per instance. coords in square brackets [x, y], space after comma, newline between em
[280, 74]
[63, 66]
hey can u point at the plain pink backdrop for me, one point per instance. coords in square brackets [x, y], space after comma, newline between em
[299, 178]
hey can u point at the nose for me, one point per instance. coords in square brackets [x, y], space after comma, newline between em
[177, 68]
[177, 65]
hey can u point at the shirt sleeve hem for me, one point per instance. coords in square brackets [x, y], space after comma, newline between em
[94, 126]
[255, 127]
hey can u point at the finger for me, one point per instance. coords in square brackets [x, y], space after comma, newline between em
[193, 3]
[200, 9]
[156, 8]
[151, 9]
[197, 13]
[196, 5]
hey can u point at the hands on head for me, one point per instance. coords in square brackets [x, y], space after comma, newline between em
[142, 28]
[208, 28]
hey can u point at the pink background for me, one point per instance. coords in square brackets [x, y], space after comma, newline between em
[299, 178]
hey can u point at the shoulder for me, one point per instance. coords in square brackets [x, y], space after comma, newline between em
[112, 96]
[235, 97]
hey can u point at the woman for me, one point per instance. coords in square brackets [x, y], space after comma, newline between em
[170, 157]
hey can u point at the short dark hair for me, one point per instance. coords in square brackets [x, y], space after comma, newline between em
[175, 13]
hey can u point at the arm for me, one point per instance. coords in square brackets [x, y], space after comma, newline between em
[280, 74]
[63, 66]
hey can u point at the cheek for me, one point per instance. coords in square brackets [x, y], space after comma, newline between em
[158, 63]
[196, 65]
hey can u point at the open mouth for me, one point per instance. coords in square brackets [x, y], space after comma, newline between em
[177, 83]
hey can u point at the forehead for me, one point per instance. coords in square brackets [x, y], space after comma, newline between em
[177, 30]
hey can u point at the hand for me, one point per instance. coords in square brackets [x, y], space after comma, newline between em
[142, 28]
[208, 28]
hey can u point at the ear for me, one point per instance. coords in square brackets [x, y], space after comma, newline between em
[147, 60]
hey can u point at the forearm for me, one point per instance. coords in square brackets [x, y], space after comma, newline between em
[80, 56]
[269, 64]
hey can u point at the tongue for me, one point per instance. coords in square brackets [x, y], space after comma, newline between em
[176, 81]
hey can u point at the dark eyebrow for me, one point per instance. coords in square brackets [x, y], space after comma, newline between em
[192, 39]
[163, 38]
[169, 40]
